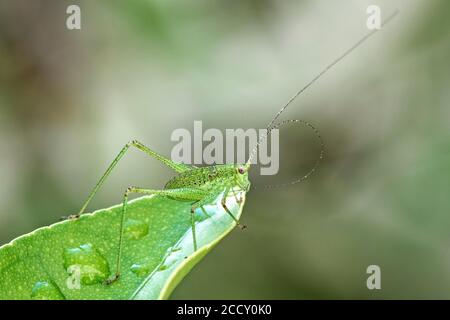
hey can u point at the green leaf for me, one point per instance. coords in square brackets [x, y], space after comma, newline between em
[71, 259]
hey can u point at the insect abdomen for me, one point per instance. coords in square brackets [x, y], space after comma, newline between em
[198, 178]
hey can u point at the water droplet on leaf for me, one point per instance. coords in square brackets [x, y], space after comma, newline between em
[85, 265]
[141, 270]
[42, 290]
[135, 229]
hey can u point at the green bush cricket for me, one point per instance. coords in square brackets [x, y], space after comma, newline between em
[202, 185]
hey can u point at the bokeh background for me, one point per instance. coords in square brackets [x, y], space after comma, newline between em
[69, 100]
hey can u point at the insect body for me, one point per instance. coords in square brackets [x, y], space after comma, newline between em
[201, 186]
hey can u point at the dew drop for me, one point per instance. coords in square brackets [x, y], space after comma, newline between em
[141, 270]
[85, 265]
[174, 254]
[42, 290]
[135, 229]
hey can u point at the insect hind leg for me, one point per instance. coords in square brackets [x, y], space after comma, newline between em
[182, 193]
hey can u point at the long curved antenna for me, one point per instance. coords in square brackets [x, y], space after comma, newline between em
[317, 77]
[320, 74]
[316, 164]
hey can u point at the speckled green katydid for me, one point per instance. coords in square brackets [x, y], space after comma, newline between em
[202, 185]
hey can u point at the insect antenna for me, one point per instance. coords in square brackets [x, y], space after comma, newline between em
[271, 125]
[316, 164]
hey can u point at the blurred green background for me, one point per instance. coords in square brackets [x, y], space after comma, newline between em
[69, 100]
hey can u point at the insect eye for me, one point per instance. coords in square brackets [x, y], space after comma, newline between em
[241, 170]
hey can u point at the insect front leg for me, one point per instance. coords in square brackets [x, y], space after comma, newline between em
[180, 193]
[238, 201]
[224, 205]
